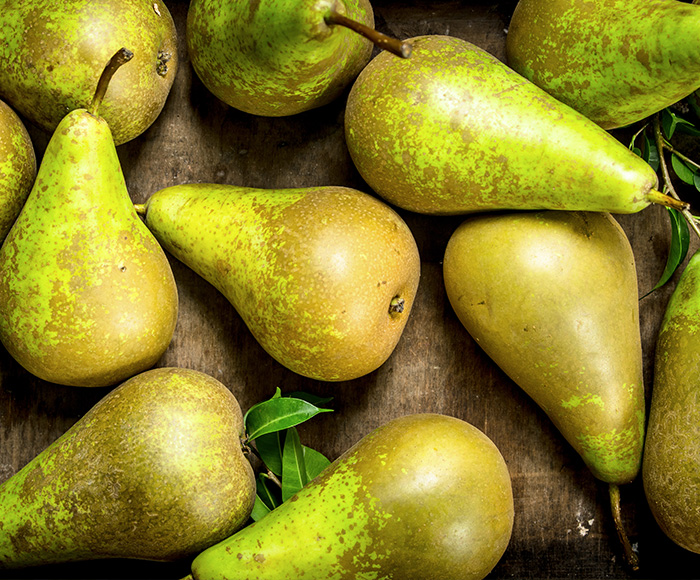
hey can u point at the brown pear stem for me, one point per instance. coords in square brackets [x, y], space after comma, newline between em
[393, 45]
[122, 56]
[630, 556]
[659, 198]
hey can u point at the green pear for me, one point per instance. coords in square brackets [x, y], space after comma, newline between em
[155, 470]
[671, 467]
[323, 277]
[87, 296]
[551, 297]
[616, 62]
[453, 130]
[423, 496]
[53, 53]
[281, 57]
[17, 167]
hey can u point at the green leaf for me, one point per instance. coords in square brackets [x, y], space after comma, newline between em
[651, 153]
[293, 465]
[680, 241]
[315, 462]
[277, 414]
[684, 173]
[696, 181]
[260, 510]
[310, 398]
[269, 448]
[266, 495]
[668, 123]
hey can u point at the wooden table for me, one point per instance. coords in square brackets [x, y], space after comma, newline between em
[562, 526]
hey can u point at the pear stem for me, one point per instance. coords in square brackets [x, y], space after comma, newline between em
[140, 208]
[666, 200]
[122, 56]
[661, 145]
[393, 45]
[630, 555]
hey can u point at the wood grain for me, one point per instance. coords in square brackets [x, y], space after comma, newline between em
[562, 527]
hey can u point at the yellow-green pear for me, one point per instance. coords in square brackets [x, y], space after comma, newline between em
[52, 54]
[324, 277]
[422, 497]
[551, 297]
[671, 468]
[617, 62]
[453, 130]
[155, 471]
[87, 296]
[17, 167]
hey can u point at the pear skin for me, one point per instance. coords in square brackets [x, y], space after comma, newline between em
[87, 296]
[423, 496]
[53, 53]
[276, 57]
[615, 62]
[671, 467]
[17, 167]
[452, 130]
[155, 471]
[538, 291]
[323, 277]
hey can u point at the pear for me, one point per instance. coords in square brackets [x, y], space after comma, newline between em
[155, 470]
[87, 296]
[281, 57]
[551, 297]
[671, 467]
[423, 496]
[453, 130]
[17, 167]
[53, 53]
[615, 62]
[324, 277]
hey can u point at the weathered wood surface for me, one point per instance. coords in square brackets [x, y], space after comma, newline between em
[562, 528]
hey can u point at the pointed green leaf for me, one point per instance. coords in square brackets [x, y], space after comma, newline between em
[293, 465]
[680, 241]
[260, 510]
[315, 462]
[668, 123]
[278, 414]
[684, 173]
[310, 398]
[269, 497]
[696, 180]
[269, 448]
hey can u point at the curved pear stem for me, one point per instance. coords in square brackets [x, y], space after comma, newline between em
[393, 45]
[630, 556]
[122, 56]
[659, 198]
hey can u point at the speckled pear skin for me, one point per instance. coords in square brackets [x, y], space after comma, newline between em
[452, 130]
[87, 296]
[154, 471]
[423, 496]
[552, 298]
[671, 468]
[615, 61]
[312, 272]
[53, 53]
[276, 57]
[17, 167]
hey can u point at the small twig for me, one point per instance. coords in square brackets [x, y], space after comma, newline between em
[661, 145]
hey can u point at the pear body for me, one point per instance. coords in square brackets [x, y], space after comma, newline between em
[452, 130]
[423, 496]
[551, 297]
[87, 296]
[671, 468]
[323, 277]
[17, 167]
[276, 57]
[616, 62]
[153, 471]
[53, 54]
